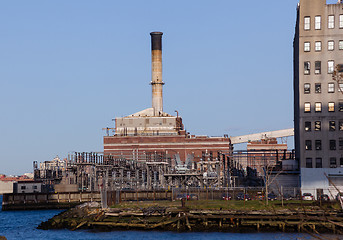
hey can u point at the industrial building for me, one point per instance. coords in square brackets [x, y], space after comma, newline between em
[152, 131]
[150, 149]
[318, 95]
[262, 151]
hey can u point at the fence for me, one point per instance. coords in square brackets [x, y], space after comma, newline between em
[237, 193]
[51, 200]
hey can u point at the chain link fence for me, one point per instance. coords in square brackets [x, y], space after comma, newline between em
[237, 193]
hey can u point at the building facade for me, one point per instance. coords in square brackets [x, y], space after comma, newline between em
[153, 134]
[27, 187]
[183, 145]
[265, 153]
[318, 96]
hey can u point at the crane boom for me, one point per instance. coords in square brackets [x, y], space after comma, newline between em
[258, 136]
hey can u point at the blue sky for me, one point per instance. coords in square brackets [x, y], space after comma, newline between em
[69, 67]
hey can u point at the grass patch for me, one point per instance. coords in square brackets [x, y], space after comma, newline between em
[232, 205]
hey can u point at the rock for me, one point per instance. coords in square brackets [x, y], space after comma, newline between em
[89, 205]
[3, 238]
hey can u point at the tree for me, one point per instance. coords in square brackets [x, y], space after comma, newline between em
[338, 76]
[269, 177]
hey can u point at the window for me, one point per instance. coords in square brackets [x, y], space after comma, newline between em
[308, 162]
[319, 163]
[318, 107]
[307, 126]
[331, 21]
[317, 125]
[318, 46]
[333, 162]
[340, 143]
[317, 22]
[340, 87]
[307, 88]
[332, 144]
[340, 106]
[331, 87]
[307, 23]
[340, 125]
[317, 67]
[307, 107]
[307, 68]
[341, 161]
[307, 46]
[318, 88]
[318, 144]
[331, 45]
[308, 145]
[23, 187]
[331, 106]
[340, 45]
[332, 126]
[331, 66]
[34, 187]
[341, 21]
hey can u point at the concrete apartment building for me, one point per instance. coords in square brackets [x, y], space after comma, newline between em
[318, 96]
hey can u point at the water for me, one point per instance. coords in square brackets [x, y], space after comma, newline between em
[22, 225]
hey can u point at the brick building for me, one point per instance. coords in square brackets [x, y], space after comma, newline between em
[183, 144]
[152, 133]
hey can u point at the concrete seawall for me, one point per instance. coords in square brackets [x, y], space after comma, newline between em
[32, 201]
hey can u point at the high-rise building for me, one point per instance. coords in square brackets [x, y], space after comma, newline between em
[318, 95]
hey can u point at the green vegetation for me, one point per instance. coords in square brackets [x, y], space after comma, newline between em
[233, 205]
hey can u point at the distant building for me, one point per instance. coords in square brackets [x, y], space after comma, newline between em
[267, 157]
[265, 153]
[7, 182]
[6, 187]
[50, 171]
[27, 187]
[318, 95]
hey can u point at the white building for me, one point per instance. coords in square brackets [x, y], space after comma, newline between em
[27, 187]
[6, 187]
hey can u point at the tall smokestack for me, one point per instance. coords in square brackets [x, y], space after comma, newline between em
[156, 72]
